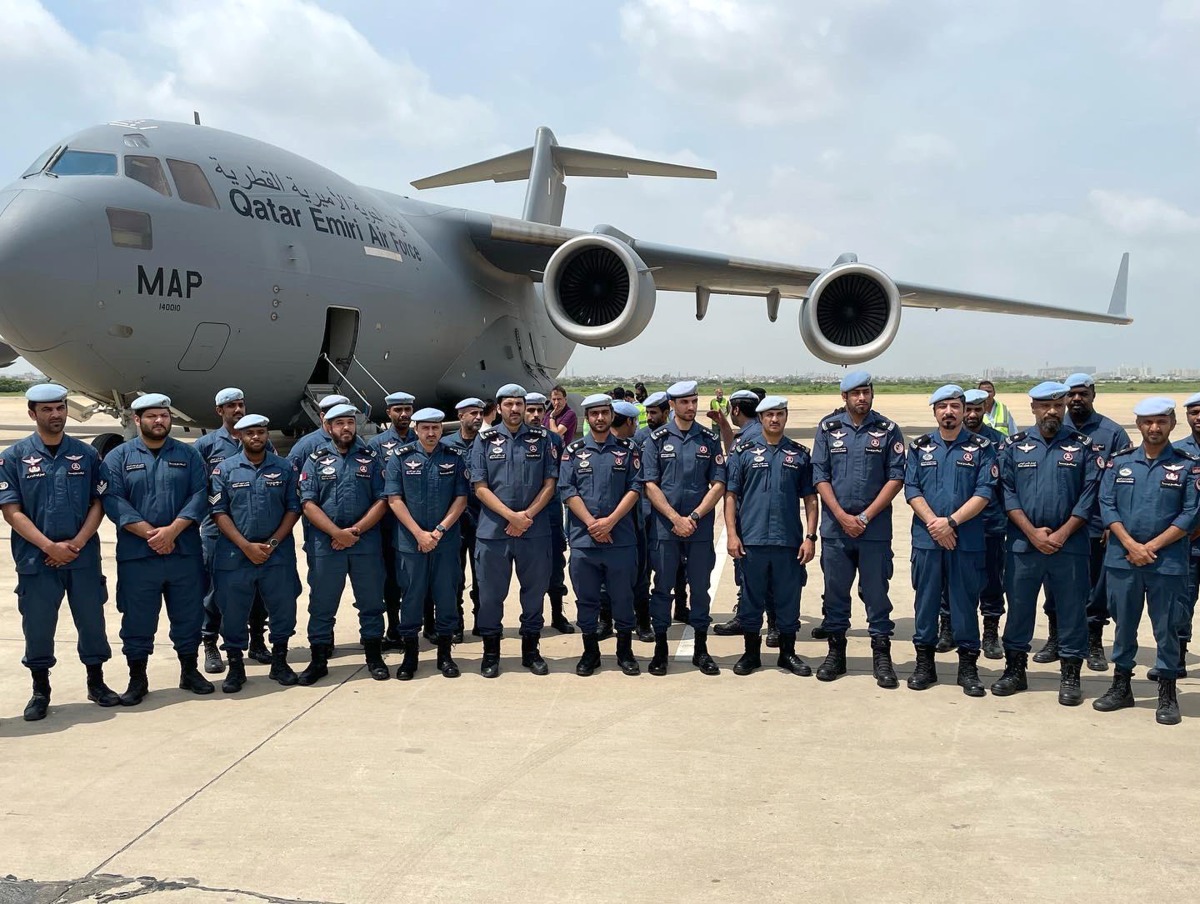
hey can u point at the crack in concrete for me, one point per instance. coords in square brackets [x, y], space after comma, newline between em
[106, 888]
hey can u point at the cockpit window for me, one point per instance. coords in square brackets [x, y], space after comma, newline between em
[192, 184]
[85, 163]
[148, 171]
[130, 228]
[40, 164]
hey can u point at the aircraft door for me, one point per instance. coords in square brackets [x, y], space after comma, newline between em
[337, 346]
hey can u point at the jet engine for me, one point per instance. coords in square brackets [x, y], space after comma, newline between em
[851, 314]
[597, 291]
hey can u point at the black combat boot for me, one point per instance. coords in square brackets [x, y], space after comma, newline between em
[1049, 653]
[820, 632]
[531, 656]
[991, 637]
[281, 672]
[968, 673]
[1168, 703]
[625, 658]
[97, 691]
[641, 613]
[138, 685]
[1096, 660]
[658, 663]
[1119, 696]
[700, 657]
[834, 665]
[236, 678]
[408, 665]
[213, 663]
[391, 637]
[258, 650]
[39, 703]
[924, 676]
[881, 662]
[1069, 692]
[1014, 678]
[945, 638]
[445, 659]
[373, 651]
[729, 628]
[558, 621]
[772, 630]
[590, 660]
[190, 678]
[604, 626]
[318, 667]
[489, 666]
[788, 658]
[752, 658]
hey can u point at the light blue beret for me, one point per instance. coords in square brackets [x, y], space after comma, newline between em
[536, 398]
[949, 391]
[771, 402]
[1192, 400]
[470, 402]
[338, 411]
[1075, 380]
[429, 416]
[681, 390]
[511, 391]
[330, 400]
[232, 394]
[626, 409]
[399, 398]
[1154, 405]
[1048, 391]
[744, 394]
[656, 400]
[596, 400]
[150, 400]
[855, 379]
[974, 396]
[252, 420]
[46, 392]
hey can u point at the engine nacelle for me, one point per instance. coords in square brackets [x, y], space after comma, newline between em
[597, 291]
[851, 315]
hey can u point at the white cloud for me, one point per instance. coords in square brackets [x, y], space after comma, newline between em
[1141, 215]
[916, 149]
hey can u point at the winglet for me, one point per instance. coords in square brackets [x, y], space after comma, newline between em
[1116, 307]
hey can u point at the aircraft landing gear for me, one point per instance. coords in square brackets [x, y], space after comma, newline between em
[106, 442]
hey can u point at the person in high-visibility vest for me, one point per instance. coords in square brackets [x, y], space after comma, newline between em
[995, 414]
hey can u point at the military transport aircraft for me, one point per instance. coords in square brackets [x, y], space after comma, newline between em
[144, 256]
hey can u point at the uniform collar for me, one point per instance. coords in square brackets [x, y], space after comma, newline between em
[417, 447]
[40, 446]
[1035, 435]
[674, 427]
[964, 436]
[241, 459]
[503, 430]
[1088, 425]
[1167, 454]
[140, 445]
[410, 437]
[590, 441]
[1188, 442]
[871, 417]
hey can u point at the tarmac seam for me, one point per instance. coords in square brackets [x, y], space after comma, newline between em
[216, 778]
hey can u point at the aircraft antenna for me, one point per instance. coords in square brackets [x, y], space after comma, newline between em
[196, 116]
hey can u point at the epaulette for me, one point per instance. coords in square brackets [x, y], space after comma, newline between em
[709, 433]
[576, 445]
[799, 445]
[830, 425]
[983, 441]
[622, 441]
[405, 449]
[923, 440]
[489, 431]
[1082, 438]
[1124, 451]
[457, 450]
[1190, 456]
[742, 444]
[1016, 437]
[537, 431]
[660, 432]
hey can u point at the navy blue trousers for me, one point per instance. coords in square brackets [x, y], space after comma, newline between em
[871, 560]
[1131, 589]
[665, 557]
[495, 560]
[144, 585]
[40, 596]
[1067, 577]
[435, 576]
[327, 580]
[238, 589]
[956, 575]
[771, 575]
[212, 608]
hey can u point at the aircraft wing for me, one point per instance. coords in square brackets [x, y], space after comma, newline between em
[521, 246]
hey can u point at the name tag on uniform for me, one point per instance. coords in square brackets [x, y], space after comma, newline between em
[1027, 464]
[240, 484]
[931, 463]
[759, 464]
[136, 466]
[496, 452]
[176, 464]
[272, 483]
[965, 463]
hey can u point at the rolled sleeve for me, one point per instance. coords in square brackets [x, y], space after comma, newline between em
[912, 479]
[650, 472]
[477, 463]
[985, 480]
[197, 503]
[1085, 506]
[218, 492]
[1008, 481]
[293, 503]
[733, 472]
[821, 472]
[807, 487]
[392, 484]
[896, 457]
[1108, 497]
[566, 479]
[1186, 519]
[10, 477]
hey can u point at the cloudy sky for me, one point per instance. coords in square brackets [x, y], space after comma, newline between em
[1013, 148]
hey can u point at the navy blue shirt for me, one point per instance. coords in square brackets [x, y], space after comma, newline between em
[213, 448]
[601, 475]
[1108, 438]
[1189, 445]
[345, 487]
[684, 465]
[389, 441]
[463, 445]
[256, 498]
[307, 445]
[995, 518]
[513, 466]
[55, 493]
[157, 489]
[428, 482]
[1147, 496]
[1050, 481]
[770, 482]
[856, 462]
[947, 474]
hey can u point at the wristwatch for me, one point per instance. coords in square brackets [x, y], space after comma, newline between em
[863, 519]
[273, 543]
[439, 529]
[695, 516]
[812, 537]
[953, 524]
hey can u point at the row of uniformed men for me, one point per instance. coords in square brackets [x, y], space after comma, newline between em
[514, 468]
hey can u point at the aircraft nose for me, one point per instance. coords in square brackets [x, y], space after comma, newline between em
[48, 267]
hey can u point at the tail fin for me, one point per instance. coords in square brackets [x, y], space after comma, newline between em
[545, 165]
[1116, 305]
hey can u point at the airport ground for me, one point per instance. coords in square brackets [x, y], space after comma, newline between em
[768, 787]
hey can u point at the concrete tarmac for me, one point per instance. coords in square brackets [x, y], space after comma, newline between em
[686, 787]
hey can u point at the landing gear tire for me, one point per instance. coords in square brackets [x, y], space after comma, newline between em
[106, 442]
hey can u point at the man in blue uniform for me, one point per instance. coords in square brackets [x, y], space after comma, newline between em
[341, 492]
[51, 487]
[995, 526]
[535, 412]
[156, 497]
[950, 476]
[770, 476]
[858, 469]
[214, 447]
[658, 408]
[624, 426]
[470, 419]
[1149, 502]
[684, 476]
[305, 445]
[399, 433]
[426, 485]
[1107, 438]
[513, 470]
[255, 503]
[1049, 477]
[599, 479]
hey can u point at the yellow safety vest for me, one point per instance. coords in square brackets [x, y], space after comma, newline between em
[997, 418]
